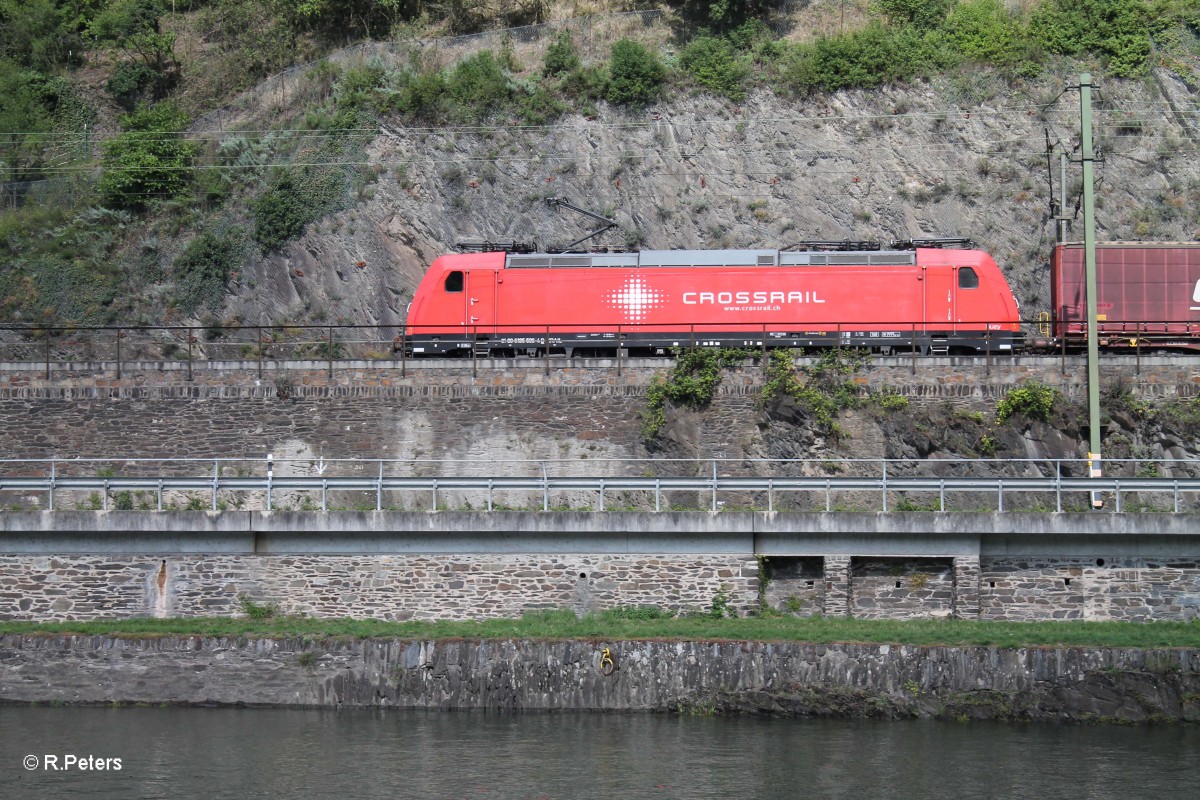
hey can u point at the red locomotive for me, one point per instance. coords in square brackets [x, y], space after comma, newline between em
[932, 296]
[1147, 294]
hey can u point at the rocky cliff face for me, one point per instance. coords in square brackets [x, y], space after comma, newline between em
[963, 154]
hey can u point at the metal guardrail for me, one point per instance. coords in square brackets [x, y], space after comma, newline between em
[545, 483]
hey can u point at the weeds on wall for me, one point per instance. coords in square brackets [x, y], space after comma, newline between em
[821, 388]
[692, 383]
[1031, 399]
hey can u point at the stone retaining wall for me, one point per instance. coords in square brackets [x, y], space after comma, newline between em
[456, 587]
[391, 587]
[942, 377]
[1085, 684]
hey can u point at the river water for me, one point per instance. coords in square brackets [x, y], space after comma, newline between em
[303, 754]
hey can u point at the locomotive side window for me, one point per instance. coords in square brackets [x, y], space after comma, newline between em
[454, 281]
[967, 279]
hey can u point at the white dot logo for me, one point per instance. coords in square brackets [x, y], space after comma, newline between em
[636, 299]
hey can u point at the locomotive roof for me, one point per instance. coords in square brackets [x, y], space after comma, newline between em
[710, 258]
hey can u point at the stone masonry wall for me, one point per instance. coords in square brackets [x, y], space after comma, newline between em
[400, 587]
[895, 588]
[775, 678]
[391, 587]
[1130, 589]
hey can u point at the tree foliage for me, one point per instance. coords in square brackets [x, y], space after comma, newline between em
[131, 28]
[150, 159]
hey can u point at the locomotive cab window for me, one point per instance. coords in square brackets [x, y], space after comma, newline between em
[967, 279]
[454, 281]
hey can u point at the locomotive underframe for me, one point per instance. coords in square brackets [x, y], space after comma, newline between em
[607, 344]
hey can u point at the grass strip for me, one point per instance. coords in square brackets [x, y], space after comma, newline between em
[635, 623]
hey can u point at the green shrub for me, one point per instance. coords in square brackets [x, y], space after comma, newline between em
[1032, 399]
[714, 64]
[150, 159]
[561, 56]
[202, 270]
[864, 59]
[1120, 30]
[129, 79]
[478, 86]
[357, 87]
[586, 84]
[423, 95]
[635, 74]
[281, 213]
[920, 13]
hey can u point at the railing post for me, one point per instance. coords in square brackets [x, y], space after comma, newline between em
[987, 345]
[1058, 492]
[545, 489]
[329, 350]
[764, 349]
[379, 490]
[885, 505]
[913, 342]
[546, 350]
[1064, 328]
[618, 351]
[216, 480]
[48, 335]
[118, 354]
[474, 358]
[403, 355]
[258, 348]
[1137, 349]
[53, 477]
[714, 486]
[1000, 495]
[190, 339]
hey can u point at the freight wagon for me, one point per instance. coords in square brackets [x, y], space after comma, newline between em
[1147, 294]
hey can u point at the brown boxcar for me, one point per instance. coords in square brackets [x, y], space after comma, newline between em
[1148, 293]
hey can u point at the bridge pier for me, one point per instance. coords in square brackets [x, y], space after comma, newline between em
[837, 586]
[966, 587]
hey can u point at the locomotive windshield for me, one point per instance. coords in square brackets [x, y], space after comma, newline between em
[967, 279]
[454, 282]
